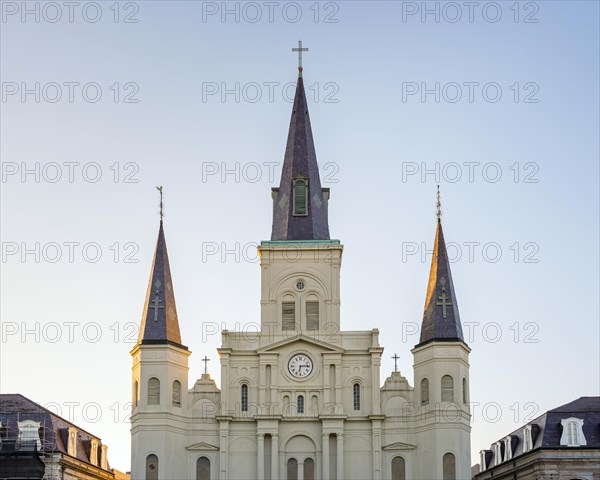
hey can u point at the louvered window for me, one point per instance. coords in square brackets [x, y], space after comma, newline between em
[447, 388]
[300, 197]
[288, 315]
[153, 391]
[312, 315]
[177, 393]
[449, 467]
[424, 392]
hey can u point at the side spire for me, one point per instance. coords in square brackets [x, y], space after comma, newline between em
[441, 320]
[159, 319]
[300, 203]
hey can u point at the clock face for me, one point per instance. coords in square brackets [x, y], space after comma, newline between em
[300, 365]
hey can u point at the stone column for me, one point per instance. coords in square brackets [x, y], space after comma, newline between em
[338, 385]
[340, 456]
[274, 457]
[301, 470]
[224, 449]
[260, 455]
[325, 459]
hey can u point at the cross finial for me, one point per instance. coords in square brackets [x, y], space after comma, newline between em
[161, 213]
[300, 50]
[205, 360]
[438, 205]
[395, 357]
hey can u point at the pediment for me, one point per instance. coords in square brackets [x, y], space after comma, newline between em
[301, 338]
[398, 446]
[202, 446]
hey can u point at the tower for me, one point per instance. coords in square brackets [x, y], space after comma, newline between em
[441, 376]
[159, 379]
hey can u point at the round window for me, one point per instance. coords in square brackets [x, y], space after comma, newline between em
[300, 285]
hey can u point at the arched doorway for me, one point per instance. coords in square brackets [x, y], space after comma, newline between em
[300, 458]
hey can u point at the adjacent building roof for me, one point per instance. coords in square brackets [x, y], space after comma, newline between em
[159, 319]
[546, 430]
[300, 161]
[54, 429]
[441, 320]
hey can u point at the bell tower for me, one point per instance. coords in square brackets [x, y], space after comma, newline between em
[441, 376]
[159, 378]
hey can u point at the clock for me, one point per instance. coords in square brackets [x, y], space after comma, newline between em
[300, 365]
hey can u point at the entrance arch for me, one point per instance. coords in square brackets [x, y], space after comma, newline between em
[300, 455]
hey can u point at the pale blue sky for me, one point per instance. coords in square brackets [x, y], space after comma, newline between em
[367, 144]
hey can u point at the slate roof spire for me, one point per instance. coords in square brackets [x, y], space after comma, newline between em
[441, 320]
[159, 319]
[300, 165]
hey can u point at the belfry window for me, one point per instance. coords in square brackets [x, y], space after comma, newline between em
[176, 393]
[288, 315]
[300, 197]
[153, 391]
[447, 388]
[312, 314]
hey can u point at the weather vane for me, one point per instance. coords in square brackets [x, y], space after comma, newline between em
[438, 204]
[162, 212]
[300, 50]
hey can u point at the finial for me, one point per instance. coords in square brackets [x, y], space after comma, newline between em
[205, 360]
[300, 50]
[162, 212]
[438, 205]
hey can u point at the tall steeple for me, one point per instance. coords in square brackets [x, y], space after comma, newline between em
[441, 320]
[159, 319]
[300, 204]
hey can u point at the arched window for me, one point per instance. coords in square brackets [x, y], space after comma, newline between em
[203, 469]
[314, 406]
[300, 404]
[244, 397]
[424, 392]
[464, 391]
[286, 405]
[449, 467]
[136, 393]
[356, 396]
[288, 313]
[177, 393]
[151, 467]
[300, 197]
[153, 391]
[447, 388]
[309, 469]
[292, 469]
[398, 469]
[312, 313]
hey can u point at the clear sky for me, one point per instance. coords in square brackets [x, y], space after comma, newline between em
[498, 100]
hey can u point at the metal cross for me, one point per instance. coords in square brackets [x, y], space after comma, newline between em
[300, 50]
[206, 360]
[162, 213]
[438, 204]
[443, 297]
[395, 357]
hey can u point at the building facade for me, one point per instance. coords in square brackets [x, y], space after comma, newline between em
[562, 444]
[36, 443]
[301, 399]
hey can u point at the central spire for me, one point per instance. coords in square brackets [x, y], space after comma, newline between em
[300, 204]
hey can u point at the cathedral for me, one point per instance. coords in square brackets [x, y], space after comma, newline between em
[302, 399]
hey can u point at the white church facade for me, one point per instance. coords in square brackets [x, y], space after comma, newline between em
[302, 399]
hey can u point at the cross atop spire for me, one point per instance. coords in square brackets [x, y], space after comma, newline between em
[438, 205]
[161, 212]
[300, 50]
[395, 357]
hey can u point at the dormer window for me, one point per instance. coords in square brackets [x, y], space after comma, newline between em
[29, 435]
[482, 460]
[497, 453]
[508, 453]
[527, 440]
[94, 452]
[572, 433]
[301, 197]
[72, 443]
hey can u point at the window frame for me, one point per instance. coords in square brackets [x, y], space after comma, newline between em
[296, 183]
[356, 396]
